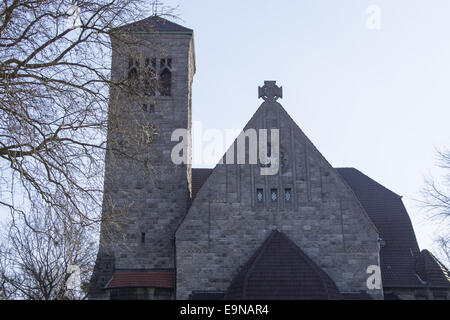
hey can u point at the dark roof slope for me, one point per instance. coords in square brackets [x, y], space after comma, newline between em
[401, 260]
[432, 271]
[199, 177]
[280, 270]
[386, 209]
[154, 24]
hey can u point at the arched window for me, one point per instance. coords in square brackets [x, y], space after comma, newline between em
[155, 77]
[133, 73]
[165, 82]
[150, 82]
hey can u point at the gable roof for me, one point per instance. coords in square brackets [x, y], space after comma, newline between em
[279, 269]
[154, 24]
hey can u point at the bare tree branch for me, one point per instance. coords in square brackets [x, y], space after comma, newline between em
[436, 202]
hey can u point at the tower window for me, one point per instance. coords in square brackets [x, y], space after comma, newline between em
[150, 82]
[148, 108]
[259, 196]
[155, 76]
[143, 237]
[165, 82]
[132, 73]
[158, 77]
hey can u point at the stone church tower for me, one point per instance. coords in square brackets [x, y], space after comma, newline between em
[146, 195]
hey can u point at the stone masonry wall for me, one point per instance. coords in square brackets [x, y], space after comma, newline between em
[225, 225]
[144, 191]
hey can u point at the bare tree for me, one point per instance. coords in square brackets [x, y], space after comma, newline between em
[54, 91]
[45, 258]
[55, 85]
[436, 200]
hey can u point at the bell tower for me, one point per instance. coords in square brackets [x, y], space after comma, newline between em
[146, 195]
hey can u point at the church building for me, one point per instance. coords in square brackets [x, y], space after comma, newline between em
[308, 231]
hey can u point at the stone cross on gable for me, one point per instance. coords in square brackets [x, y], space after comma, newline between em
[155, 6]
[270, 91]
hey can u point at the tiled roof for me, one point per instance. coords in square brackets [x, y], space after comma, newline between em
[385, 208]
[199, 177]
[432, 271]
[142, 280]
[280, 270]
[154, 24]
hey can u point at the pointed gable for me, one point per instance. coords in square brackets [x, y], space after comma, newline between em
[235, 207]
[280, 270]
[154, 24]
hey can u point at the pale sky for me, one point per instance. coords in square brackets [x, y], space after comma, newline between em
[376, 100]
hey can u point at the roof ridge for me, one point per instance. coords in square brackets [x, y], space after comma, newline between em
[371, 179]
[154, 24]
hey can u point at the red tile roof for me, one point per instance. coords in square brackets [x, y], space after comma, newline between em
[142, 280]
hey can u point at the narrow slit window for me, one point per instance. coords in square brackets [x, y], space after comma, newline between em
[143, 237]
[132, 74]
[274, 196]
[288, 196]
[259, 196]
[150, 81]
[165, 82]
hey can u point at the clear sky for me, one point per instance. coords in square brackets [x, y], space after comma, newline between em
[376, 100]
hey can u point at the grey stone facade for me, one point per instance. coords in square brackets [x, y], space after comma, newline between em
[225, 224]
[145, 195]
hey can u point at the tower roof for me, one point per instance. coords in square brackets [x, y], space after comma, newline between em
[154, 24]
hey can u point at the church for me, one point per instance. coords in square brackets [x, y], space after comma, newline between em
[308, 231]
